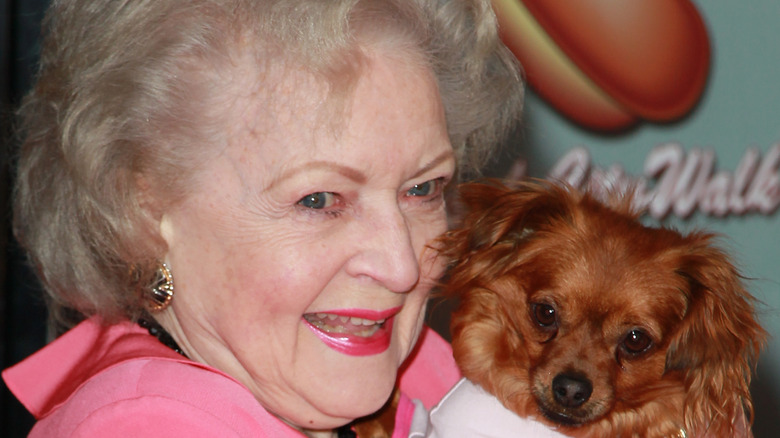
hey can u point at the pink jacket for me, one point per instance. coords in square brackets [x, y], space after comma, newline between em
[97, 381]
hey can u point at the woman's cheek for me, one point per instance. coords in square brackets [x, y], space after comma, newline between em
[431, 266]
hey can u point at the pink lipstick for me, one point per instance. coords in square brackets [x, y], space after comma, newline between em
[355, 332]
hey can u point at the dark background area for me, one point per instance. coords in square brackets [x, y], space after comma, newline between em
[22, 314]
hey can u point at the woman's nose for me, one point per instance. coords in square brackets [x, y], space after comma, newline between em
[386, 252]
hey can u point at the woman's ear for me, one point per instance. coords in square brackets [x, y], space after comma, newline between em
[166, 229]
[146, 199]
[153, 213]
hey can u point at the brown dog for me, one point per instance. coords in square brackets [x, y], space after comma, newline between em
[575, 313]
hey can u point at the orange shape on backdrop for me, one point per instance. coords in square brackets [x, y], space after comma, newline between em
[607, 63]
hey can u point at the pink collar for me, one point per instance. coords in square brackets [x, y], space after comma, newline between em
[48, 378]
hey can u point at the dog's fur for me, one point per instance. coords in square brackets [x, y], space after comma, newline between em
[575, 313]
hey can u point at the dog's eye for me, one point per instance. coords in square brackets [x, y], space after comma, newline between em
[636, 342]
[544, 314]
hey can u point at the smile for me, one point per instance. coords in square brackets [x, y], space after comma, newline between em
[353, 332]
[336, 324]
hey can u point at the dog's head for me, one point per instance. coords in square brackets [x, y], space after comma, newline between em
[574, 311]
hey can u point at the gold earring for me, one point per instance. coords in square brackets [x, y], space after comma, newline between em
[160, 293]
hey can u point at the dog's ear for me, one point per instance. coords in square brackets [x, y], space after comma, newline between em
[498, 221]
[496, 211]
[717, 344]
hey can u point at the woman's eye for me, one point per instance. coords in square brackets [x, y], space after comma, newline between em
[318, 200]
[428, 188]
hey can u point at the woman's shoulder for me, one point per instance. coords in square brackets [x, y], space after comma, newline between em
[117, 380]
[45, 380]
[161, 397]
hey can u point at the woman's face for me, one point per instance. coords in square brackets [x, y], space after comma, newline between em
[299, 262]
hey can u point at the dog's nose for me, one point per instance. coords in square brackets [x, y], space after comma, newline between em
[571, 391]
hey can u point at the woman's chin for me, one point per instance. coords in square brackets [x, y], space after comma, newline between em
[360, 397]
[348, 386]
[336, 413]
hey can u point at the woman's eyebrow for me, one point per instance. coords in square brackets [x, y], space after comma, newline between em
[442, 157]
[348, 172]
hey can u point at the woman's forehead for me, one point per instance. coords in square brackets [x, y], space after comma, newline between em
[392, 108]
[289, 97]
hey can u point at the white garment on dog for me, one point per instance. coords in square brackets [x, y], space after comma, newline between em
[468, 411]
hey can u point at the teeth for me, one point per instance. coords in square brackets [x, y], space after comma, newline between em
[360, 321]
[344, 324]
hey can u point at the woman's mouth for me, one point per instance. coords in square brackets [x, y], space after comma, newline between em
[353, 332]
[335, 324]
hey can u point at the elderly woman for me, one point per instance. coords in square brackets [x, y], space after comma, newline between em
[228, 203]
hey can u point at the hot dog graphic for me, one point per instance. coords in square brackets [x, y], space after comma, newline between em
[606, 64]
